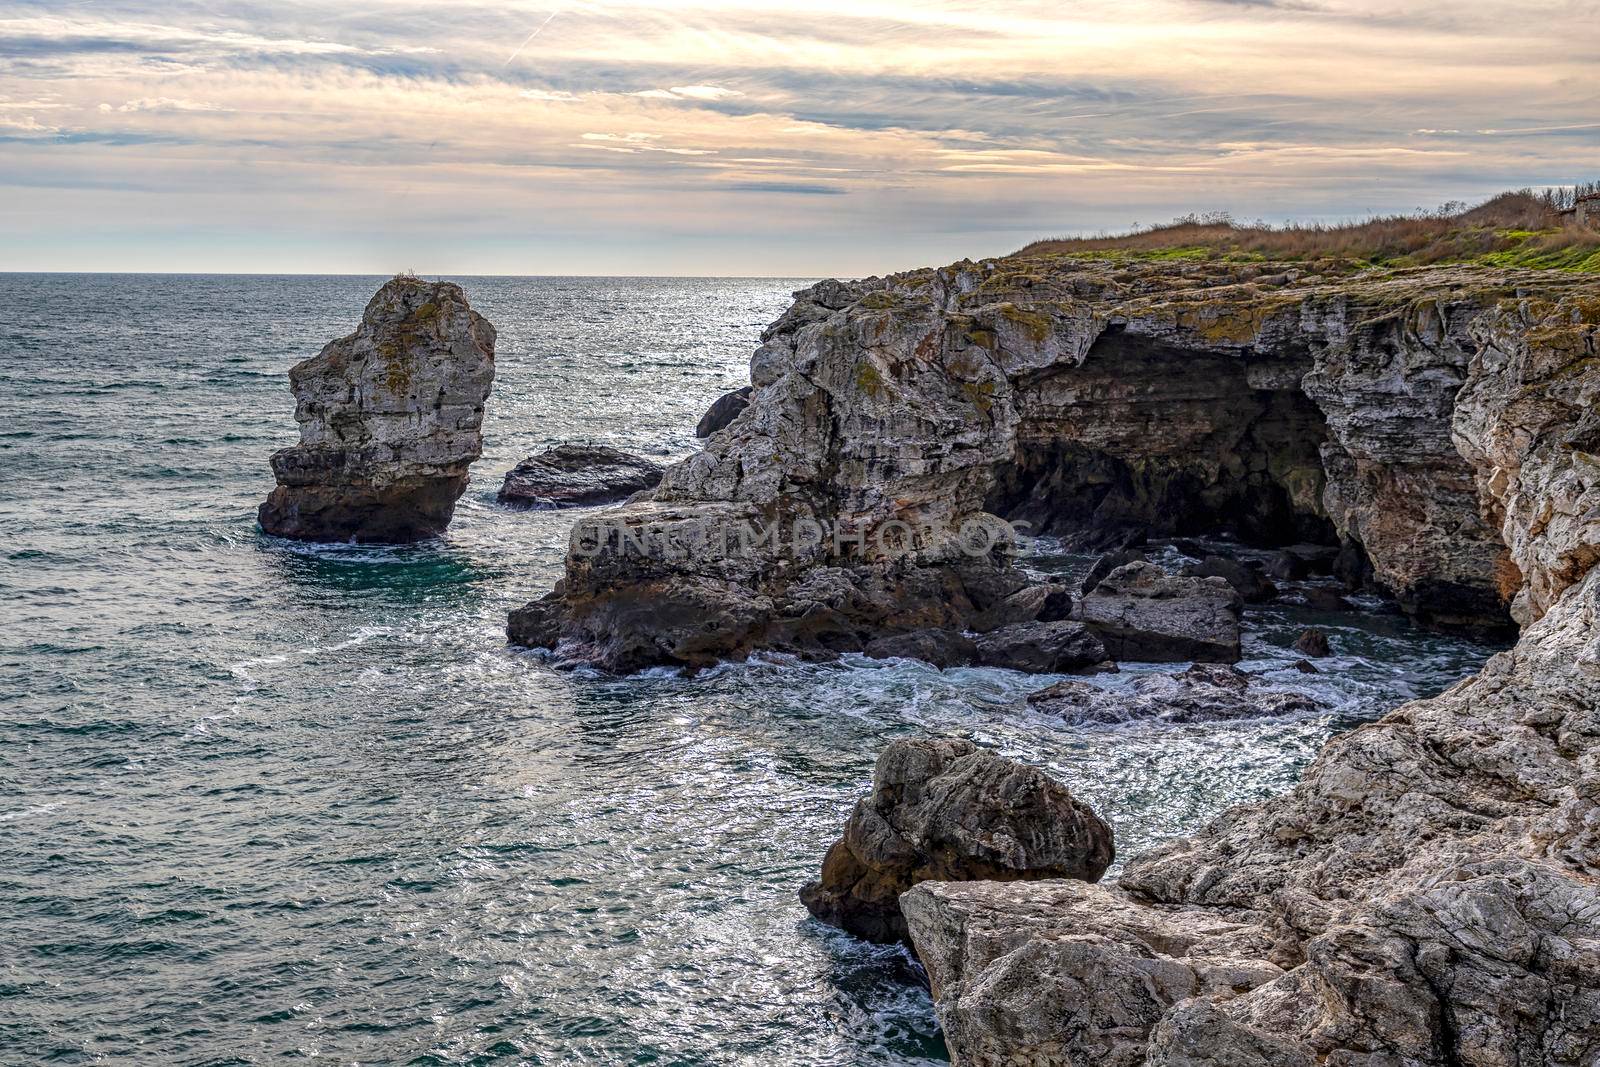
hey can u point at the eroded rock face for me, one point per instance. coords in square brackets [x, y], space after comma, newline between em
[390, 419]
[1141, 613]
[1428, 895]
[578, 475]
[722, 411]
[945, 809]
[1106, 402]
[1206, 692]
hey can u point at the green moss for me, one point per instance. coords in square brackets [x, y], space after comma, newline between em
[981, 338]
[868, 380]
[879, 300]
[1034, 325]
[979, 394]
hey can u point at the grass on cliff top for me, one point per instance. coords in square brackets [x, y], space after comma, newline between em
[1520, 229]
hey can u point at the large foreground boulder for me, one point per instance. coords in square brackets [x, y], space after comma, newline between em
[390, 419]
[1206, 692]
[946, 810]
[1140, 613]
[575, 475]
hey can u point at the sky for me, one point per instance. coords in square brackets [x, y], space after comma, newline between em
[695, 137]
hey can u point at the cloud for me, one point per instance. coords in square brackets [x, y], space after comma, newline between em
[162, 103]
[787, 188]
[689, 92]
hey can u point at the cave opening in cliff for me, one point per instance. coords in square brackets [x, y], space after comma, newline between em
[1148, 439]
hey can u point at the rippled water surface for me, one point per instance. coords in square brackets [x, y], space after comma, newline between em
[264, 802]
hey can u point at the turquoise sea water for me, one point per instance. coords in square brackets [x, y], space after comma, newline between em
[262, 802]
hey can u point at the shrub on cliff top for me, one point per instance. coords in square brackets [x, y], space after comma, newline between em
[1515, 229]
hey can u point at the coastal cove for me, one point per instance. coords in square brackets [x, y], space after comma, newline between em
[274, 798]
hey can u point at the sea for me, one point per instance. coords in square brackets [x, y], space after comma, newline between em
[265, 802]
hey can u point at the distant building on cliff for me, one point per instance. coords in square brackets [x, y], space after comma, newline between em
[1585, 210]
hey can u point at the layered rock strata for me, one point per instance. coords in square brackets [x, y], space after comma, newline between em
[945, 809]
[1427, 896]
[892, 418]
[390, 419]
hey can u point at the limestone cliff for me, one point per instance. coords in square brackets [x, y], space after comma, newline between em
[1429, 894]
[390, 418]
[1099, 400]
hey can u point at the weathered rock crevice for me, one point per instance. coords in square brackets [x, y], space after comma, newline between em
[1145, 438]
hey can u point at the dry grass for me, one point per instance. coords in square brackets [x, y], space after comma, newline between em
[1519, 229]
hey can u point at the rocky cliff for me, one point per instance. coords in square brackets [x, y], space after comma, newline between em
[892, 419]
[1429, 894]
[390, 419]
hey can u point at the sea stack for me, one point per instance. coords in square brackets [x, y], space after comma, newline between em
[390, 418]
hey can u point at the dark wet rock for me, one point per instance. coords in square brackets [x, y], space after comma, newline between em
[536, 624]
[1297, 562]
[942, 648]
[1306, 667]
[1205, 692]
[948, 811]
[1107, 563]
[390, 419]
[1352, 568]
[1043, 648]
[1312, 643]
[1046, 602]
[1248, 580]
[1142, 614]
[578, 475]
[723, 411]
[1323, 598]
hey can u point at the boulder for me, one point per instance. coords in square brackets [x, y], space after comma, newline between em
[1142, 614]
[1043, 648]
[390, 419]
[1302, 561]
[945, 810]
[1205, 692]
[942, 648]
[723, 411]
[1322, 598]
[1107, 563]
[577, 475]
[1046, 602]
[1247, 580]
[1312, 643]
[536, 624]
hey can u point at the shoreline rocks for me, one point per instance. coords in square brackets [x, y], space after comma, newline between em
[390, 419]
[1206, 692]
[944, 809]
[1427, 895]
[1307, 411]
[573, 475]
[1141, 613]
